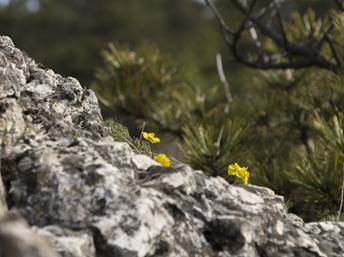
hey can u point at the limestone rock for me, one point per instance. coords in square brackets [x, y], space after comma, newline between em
[81, 190]
[68, 243]
[18, 240]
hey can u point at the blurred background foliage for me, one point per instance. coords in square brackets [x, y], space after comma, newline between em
[68, 35]
[153, 62]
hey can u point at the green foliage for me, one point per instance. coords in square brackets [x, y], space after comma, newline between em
[306, 26]
[318, 182]
[319, 179]
[299, 141]
[273, 173]
[120, 133]
[331, 131]
[211, 147]
[337, 35]
[142, 84]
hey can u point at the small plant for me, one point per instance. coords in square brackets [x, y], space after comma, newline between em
[211, 146]
[120, 133]
[332, 134]
[318, 183]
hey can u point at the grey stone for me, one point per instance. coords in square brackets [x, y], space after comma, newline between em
[18, 240]
[68, 243]
[74, 183]
[143, 162]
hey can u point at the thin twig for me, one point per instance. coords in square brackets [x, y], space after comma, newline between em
[341, 198]
[280, 23]
[142, 130]
[218, 16]
[223, 78]
[334, 52]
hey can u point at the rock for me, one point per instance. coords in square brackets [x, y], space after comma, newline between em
[18, 240]
[68, 243]
[81, 190]
[143, 162]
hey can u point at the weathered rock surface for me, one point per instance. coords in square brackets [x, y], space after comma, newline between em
[80, 191]
[18, 240]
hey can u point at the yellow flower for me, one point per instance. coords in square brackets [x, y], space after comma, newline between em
[151, 137]
[240, 172]
[232, 169]
[163, 159]
[246, 177]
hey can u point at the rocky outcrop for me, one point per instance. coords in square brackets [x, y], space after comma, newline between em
[81, 194]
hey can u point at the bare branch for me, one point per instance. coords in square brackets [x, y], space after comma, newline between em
[292, 55]
[324, 37]
[223, 78]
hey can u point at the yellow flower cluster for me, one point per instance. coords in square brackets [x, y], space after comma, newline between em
[161, 158]
[233, 169]
[240, 172]
[151, 137]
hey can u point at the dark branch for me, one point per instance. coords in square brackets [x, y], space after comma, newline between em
[296, 55]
